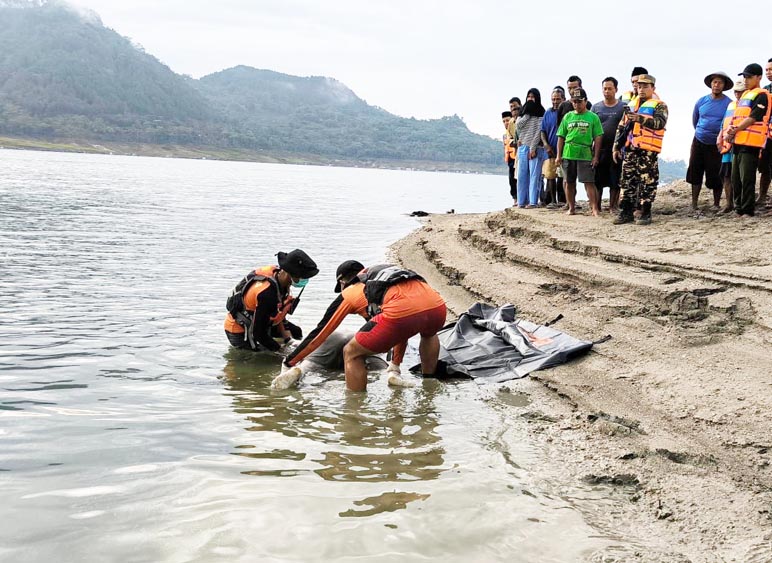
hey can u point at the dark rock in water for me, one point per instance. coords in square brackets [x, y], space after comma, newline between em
[419, 214]
[451, 212]
[619, 480]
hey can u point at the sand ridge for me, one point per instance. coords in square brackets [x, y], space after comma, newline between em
[675, 407]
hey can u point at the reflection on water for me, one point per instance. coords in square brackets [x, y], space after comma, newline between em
[387, 502]
[375, 439]
[124, 438]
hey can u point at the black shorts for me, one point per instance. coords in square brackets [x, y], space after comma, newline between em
[704, 160]
[608, 172]
[726, 170]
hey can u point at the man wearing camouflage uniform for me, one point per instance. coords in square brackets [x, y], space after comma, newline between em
[640, 133]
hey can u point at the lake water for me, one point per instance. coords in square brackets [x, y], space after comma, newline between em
[129, 431]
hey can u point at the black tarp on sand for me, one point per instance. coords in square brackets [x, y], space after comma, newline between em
[490, 344]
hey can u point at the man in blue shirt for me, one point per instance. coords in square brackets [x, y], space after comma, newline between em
[549, 137]
[707, 118]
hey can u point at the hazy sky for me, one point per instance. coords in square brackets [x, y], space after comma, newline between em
[428, 58]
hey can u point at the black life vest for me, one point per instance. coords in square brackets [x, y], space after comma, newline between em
[378, 279]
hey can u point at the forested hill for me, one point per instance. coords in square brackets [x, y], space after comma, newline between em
[321, 115]
[65, 76]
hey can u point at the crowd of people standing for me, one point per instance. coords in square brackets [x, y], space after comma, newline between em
[615, 144]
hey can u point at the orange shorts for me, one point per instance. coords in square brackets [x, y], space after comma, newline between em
[381, 334]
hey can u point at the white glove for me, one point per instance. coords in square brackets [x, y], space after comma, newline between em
[395, 380]
[287, 378]
[394, 377]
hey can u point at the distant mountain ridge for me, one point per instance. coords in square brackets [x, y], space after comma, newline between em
[63, 75]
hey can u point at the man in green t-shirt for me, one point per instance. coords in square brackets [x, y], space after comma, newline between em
[579, 145]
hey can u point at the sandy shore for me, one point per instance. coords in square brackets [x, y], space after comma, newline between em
[675, 409]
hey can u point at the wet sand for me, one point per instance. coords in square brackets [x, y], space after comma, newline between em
[675, 408]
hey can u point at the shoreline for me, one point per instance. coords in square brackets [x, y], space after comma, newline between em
[674, 409]
[239, 155]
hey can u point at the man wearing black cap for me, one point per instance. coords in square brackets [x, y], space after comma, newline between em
[748, 133]
[640, 134]
[579, 144]
[259, 304]
[707, 118]
[350, 301]
[765, 158]
[572, 84]
[630, 96]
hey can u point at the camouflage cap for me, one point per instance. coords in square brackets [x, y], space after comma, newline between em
[647, 79]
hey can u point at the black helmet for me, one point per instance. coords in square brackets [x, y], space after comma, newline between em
[298, 264]
[347, 269]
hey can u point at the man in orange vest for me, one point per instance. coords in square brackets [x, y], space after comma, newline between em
[401, 305]
[640, 132]
[748, 133]
[725, 147]
[260, 302]
[765, 158]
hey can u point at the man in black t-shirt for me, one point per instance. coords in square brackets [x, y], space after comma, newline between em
[573, 83]
[607, 173]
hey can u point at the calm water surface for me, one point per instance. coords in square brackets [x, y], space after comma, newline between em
[129, 431]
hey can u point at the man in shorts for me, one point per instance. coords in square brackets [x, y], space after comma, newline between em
[704, 157]
[580, 138]
[408, 306]
[610, 112]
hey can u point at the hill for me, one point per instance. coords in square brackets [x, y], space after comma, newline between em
[64, 76]
[320, 115]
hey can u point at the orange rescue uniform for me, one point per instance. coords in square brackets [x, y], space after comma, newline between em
[351, 301]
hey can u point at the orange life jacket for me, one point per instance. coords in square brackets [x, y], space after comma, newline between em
[726, 146]
[510, 153]
[755, 135]
[643, 137]
[251, 286]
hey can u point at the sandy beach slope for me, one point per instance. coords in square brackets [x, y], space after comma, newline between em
[676, 409]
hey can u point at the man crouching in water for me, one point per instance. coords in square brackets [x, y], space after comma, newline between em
[258, 306]
[400, 304]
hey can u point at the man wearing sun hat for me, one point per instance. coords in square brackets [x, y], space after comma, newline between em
[748, 133]
[704, 158]
[260, 302]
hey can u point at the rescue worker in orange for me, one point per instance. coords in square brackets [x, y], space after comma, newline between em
[748, 133]
[258, 307]
[350, 301]
[401, 304]
[640, 133]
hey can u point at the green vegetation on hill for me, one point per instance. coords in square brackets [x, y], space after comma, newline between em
[319, 115]
[64, 76]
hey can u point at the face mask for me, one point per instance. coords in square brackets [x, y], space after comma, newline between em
[302, 282]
